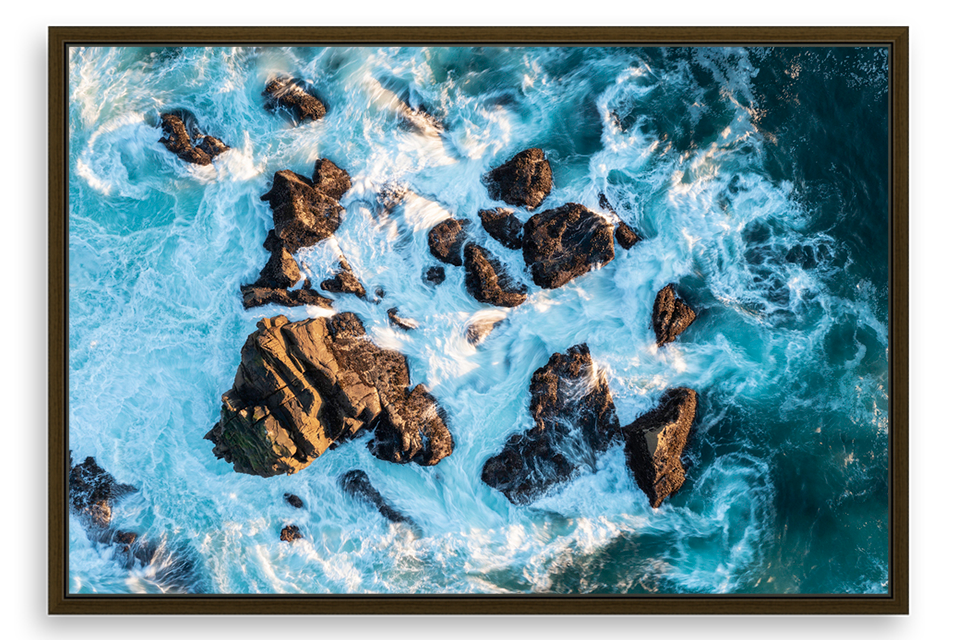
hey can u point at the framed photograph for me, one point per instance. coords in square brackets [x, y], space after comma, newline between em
[478, 320]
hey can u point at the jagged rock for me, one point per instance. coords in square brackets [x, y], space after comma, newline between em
[626, 236]
[604, 203]
[357, 484]
[572, 410]
[302, 216]
[524, 180]
[503, 226]
[290, 533]
[482, 326]
[212, 146]
[487, 280]
[414, 430]
[655, 442]
[404, 323]
[671, 316]
[434, 275]
[281, 270]
[93, 493]
[446, 240]
[564, 243]
[330, 179]
[285, 91]
[344, 281]
[256, 296]
[178, 140]
[293, 500]
[302, 386]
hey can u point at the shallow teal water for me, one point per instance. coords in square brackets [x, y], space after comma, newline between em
[759, 180]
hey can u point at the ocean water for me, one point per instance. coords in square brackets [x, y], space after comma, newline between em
[758, 178]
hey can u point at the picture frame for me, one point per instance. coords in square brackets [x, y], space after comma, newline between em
[895, 601]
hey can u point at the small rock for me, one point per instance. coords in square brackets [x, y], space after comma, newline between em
[302, 216]
[404, 323]
[524, 180]
[503, 226]
[344, 281]
[179, 142]
[294, 500]
[281, 270]
[434, 275]
[564, 243]
[487, 281]
[446, 241]
[288, 92]
[93, 493]
[212, 146]
[357, 484]
[290, 533]
[626, 236]
[671, 316]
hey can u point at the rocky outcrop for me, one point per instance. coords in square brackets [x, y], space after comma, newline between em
[303, 386]
[626, 236]
[179, 141]
[93, 493]
[257, 296]
[487, 280]
[293, 500]
[671, 316]
[503, 226]
[290, 533]
[564, 243]
[524, 180]
[572, 409]
[434, 275]
[357, 484]
[290, 93]
[655, 443]
[302, 215]
[412, 430]
[344, 281]
[407, 324]
[446, 240]
[281, 270]
[330, 179]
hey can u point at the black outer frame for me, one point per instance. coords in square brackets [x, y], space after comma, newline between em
[61, 602]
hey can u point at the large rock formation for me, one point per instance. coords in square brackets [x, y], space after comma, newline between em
[487, 280]
[93, 493]
[180, 141]
[302, 215]
[524, 180]
[671, 316]
[564, 243]
[344, 281]
[330, 179]
[446, 240]
[288, 92]
[357, 484]
[573, 416]
[655, 442]
[503, 226]
[303, 386]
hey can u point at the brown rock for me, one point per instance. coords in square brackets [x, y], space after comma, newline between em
[256, 296]
[524, 180]
[290, 533]
[564, 243]
[212, 146]
[404, 323]
[93, 493]
[488, 282]
[302, 216]
[503, 226]
[344, 281]
[331, 180]
[281, 270]
[288, 92]
[414, 430]
[446, 240]
[293, 500]
[671, 316]
[626, 236]
[178, 140]
[434, 275]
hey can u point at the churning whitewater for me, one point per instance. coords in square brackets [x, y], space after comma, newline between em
[755, 181]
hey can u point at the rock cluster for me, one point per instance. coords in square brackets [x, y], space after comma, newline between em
[303, 386]
[179, 141]
[302, 214]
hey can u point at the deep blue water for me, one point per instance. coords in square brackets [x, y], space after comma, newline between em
[758, 178]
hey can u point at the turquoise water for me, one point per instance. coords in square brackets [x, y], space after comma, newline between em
[758, 178]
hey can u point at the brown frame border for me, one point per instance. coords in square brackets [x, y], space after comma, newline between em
[896, 602]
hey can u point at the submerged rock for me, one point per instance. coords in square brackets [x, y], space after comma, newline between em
[564, 243]
[302, 216]
[524, 180]
[655, 442]
[574, 418]
[293, 500]
[290, 533]
[446, 240]
[344, 281]
[288, 92]
[93, 493]
[330, 179]
[483, 324]
[503, 226]
[488, 282]
[626, 236]
[434, 275]
[256, 296]
[357, 484]
[302, 386]
[671, 316]
[404, 323]
[390, 197]
[212, 146]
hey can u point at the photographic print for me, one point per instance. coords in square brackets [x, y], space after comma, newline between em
[478, 320]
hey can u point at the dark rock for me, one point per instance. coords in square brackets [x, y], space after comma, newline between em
[412, 431]
[344, 281]
[302, 386]
[525, 180]
[256, 296]
[605, 204]
[290, 533]
[404, 323]
[357, 484]
[434, 275]
[655, 442]
[626, 236]
[330, 179]
[503, 226]
[302, 216]
[212, 146]
[281, 270]
[178, 140]
[488, 282]
[93, 493]
[564, 243]
[446, 241]
[481, 328]
[573, 416]
[294, 500]
[291, 93]
[671, 316]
